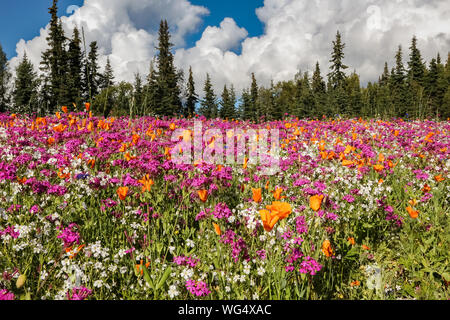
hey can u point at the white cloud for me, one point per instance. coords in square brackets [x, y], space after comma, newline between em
[126, 31]
[300, 32]
[297, 34]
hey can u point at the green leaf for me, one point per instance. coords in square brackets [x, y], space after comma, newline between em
[147, 277]
[164, 278]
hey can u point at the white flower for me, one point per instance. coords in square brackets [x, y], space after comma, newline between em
[173, 292]
[261, 271]
[190, 243]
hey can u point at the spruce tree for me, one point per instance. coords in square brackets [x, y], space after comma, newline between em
[416, 67]
[150, 90]
[192, 97]
[254, 108]
[75, 60]
[107, 78]
[337, 75]
[337, 97]
[5, 77]
[245, 105]
[138, 95]
[168, 91]
[227, 111]
[91, 71]
[318, 88]
[398, 86]
[354, 95]
[54, 65]
[208, 106]
[25, 93]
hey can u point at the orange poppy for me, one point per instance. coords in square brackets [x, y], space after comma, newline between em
[203, 194]
[412, 202]
[365, 247]
[269, 220]
[129, 157]
[351, 240]
[347, 163]
[315, 202]
[64, 109]
[378, 167]
[87, 105]
[146, 183]
[439, 178]
[257, 195]
[172, 126]
[122, 192]
[426, 188]
[355, 283]
[91, 163]
[277, 193]
[136, 138]
[245, 163]
[217, 229]
[412, 213]
[73, 252]
[280, 209]
[327, 249]
[139, 267]
[59, 128]
[51, 140]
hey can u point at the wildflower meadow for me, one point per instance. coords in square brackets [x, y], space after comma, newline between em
[99, 209]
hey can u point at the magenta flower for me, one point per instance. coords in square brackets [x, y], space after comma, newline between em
[6, 295]
[197, 288]
[69, 236]
[80, 293]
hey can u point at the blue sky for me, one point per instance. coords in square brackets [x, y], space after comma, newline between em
[22, 19]
[231, 42]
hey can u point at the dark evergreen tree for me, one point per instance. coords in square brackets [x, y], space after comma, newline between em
[25, 93]
[75, 60]
[337, 75]
[54, 65]
[5, 77]
[209, 107]
[227, 111]
[319, 89]
[168, 91]
[107, 78]
[138, 95]
[150, 91]
[192, 97]
[416, 67]
[337, 93]
[354, 95]
[254, 108]
[398, 86]
[91, 71]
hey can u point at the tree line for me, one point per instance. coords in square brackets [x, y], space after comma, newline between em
[70, 75]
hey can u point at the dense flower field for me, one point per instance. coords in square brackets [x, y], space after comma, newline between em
[94, 208]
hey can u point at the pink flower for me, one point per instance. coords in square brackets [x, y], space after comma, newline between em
[197, 288]
[6, 295]
[80, 293]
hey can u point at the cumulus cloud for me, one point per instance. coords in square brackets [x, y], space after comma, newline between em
[126, 31]
[297, 33]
